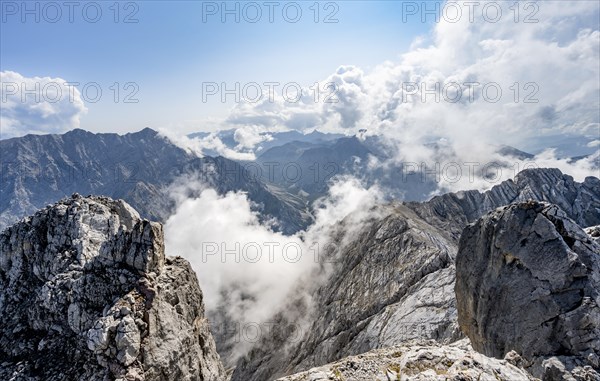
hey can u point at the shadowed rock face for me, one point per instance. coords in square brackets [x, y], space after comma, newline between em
[86, 293]
[528, 279]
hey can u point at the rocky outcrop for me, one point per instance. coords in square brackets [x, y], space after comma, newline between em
[528, 280]
[594, 232]
[417, 362]
[394, 280]
[86, 293]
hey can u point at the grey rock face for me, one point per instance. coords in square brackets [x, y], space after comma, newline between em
[528, 280]
[86, 293]
[594, 232]
[417, 362]
[392, 283]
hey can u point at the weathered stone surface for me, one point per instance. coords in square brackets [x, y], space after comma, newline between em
[594, 232]
[528, 280]
[86, 293]
[393, 282]
[417, 362]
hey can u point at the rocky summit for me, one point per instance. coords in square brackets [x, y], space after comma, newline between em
[87, 294]
[415, 361]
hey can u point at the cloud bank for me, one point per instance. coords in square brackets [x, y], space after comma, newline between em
[241, 263]
[38, 105]
[472, 84]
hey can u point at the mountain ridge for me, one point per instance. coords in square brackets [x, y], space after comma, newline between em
[139, 167]
[419, 240]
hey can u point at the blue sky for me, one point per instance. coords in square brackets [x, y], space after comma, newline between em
[542, 58]
[170, 51]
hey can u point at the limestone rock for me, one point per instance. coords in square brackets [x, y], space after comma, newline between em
[453, 211]
[594, 232]
[394, 281]
[528, 280]
[86, 293]
[416, 361]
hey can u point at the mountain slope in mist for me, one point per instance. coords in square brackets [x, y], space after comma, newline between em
[394, 280]
[232, 139]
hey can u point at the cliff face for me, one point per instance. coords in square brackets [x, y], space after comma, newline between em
[86, 293]
[392, 283]
[395, 280]
[528, 279]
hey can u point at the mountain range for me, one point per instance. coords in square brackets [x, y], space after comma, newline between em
[394, 281]
[424, 291]
[470, 285]
[140, 168]
[144, 168]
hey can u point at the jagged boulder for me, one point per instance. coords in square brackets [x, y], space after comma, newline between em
[528, 280]
[86, 293]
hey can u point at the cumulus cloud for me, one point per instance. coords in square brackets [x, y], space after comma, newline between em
[248, 137]
[471, 84]
[199, 145]
[238, 257]
[38, 105]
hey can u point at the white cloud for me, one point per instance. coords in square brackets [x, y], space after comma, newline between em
[222, 238]
[248, 137]
[553, 62]
[197, 145]
[38, 105]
